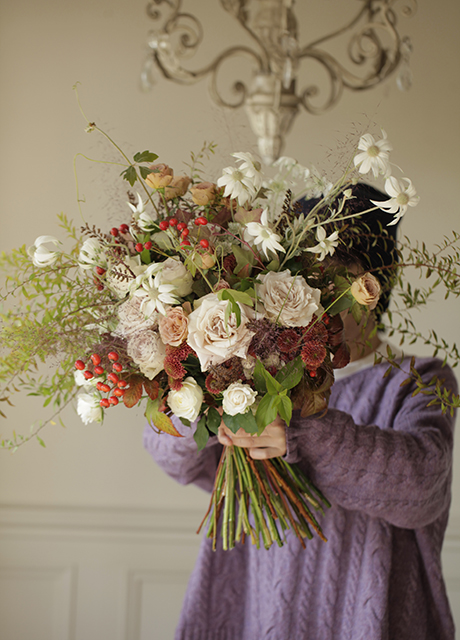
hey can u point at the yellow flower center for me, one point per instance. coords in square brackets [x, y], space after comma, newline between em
[373, 151]
[402, 198]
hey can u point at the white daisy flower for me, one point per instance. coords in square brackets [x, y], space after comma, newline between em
[155, 294]
[325, 245]
[374, 155]
[402, 197]
[250, 166]
[263, 236]
[238, 185]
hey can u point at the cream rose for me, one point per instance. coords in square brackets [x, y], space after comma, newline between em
[173, 327]
[289, 299]
[214, 340]
[366, 290]
[132, 319]
[174, 272]
[88, 407]
[186, 403]
[238, 398]
[147, 351]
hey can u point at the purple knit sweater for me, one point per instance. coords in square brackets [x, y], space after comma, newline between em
[384, 460]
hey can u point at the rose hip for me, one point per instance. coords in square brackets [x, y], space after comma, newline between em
[99, 370]
[96, 359]
[112, 355]
[104, 403]
[79, 364]
[113, 400]
[164, 224]
[117, 367]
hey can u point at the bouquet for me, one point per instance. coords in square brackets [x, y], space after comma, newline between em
[213, 301]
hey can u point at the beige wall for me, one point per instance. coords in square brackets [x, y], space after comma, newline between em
[45, 48]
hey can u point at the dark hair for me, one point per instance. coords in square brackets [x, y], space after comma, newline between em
[366, 240]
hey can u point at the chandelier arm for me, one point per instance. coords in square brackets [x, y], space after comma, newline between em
[184, 76]
[336, 84]
[240, 15]
[307, 48]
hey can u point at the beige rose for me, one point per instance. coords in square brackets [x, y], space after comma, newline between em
[160, 177]
[366, 290]
[213, 339]
[147, 351]
[173, 327]
[177, 187]
[203, 193]
[132, 319]
[289, 299]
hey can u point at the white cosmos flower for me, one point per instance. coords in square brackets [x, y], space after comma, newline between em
[41, 256]
[237, 185]
[325, 245]
[402, 197]
[374, 155]
[91, 255]
[263, 236]
[155, 294]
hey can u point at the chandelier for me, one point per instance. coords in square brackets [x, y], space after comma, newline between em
[374, 50]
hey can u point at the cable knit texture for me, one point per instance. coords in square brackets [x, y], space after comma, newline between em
[384, 460]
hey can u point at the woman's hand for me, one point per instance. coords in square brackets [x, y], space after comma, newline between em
[271, 444]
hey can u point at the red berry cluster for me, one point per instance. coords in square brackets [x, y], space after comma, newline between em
[123, 228]
[183, 230]
[140, 247]
[112, 383]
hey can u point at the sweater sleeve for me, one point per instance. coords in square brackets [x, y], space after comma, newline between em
[401, 473]
[180, 458]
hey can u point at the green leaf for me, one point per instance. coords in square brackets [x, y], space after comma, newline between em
[130, 175]
[273, 386]
[244, 421]
[267, 411]
[291, 374]
[145, 156]
[201, 434]
[259, 377]
[213, 420]
[243, 257]
[340, 305]
[145, 171]
[285, 409]
[40, 442]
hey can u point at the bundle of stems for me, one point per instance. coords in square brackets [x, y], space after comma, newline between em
[261, 498]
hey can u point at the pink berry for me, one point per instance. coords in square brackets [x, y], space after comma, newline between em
[164, 224]
[80, 365]
[148, 245]
[123, 228]
[139, 247]
[185, 242]
[114, 232]
[204, 243]
[201, 220]
[172, 222]
[185, 233]
[181, 226]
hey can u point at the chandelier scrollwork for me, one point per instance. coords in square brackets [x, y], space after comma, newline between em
[374, 51]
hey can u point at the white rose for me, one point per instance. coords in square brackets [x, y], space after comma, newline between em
[238, 398]
[186, 403]
[132, 319]
[214, 340]
[88, 408]
[175, 273]
[129, 270]
[289, 299]
[147, 351]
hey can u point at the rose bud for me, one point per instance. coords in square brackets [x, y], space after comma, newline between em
[366, 290]
[177, 187]
[203, 193]
[160, 177]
